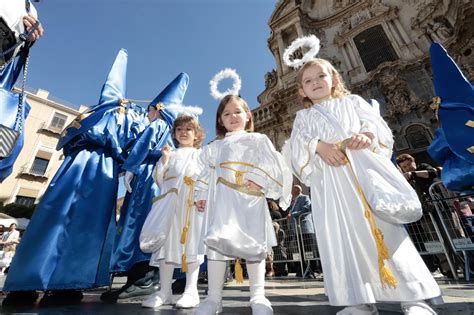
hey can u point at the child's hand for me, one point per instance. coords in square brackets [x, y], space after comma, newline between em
[331, 154]
[359, 141]
[251, 185]
[165, 153]
[200, 205]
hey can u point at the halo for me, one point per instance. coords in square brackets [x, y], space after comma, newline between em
[224, 74]
[310, 41]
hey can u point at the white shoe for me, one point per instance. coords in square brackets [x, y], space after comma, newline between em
[417, 308]
[437, 274]
[155, 300]
[188, 300]
[362, 309]
[209, 307]
[261, 307]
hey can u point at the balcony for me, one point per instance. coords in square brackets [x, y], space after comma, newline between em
[51, 129]
[38, 172]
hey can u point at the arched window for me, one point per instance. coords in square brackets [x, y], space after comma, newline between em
[374, 47]
[417, 137]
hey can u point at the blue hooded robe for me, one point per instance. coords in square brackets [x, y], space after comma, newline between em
[69, 240]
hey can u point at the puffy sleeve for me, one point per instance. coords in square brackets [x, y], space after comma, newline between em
[206, 162]
[153, 137]
[160, 170]
[301, 149]
[372, 121]
[272, 173]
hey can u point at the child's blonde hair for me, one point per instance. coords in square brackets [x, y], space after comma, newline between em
[338, 90]
[199, 134]
[220, 129]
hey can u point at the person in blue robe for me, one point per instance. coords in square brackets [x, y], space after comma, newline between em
[453, 145]
[141, 189]
[9, 103]
[68, 243]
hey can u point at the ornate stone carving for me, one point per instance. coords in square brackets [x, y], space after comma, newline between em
[271, 79]
[425, 10]
[439, 31]
[400, 98]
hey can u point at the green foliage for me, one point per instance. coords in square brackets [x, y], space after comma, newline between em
[18, 211]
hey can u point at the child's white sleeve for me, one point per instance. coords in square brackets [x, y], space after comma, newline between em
[160, 170]
[203, 179]
[302, 149]
[371, 121]
[272, 173]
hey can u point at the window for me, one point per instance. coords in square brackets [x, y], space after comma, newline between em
[374, 47]
[26, 201]
[39, 166]
[58, 122]
[417, 137]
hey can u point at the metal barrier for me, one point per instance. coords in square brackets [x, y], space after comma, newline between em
[455, 213]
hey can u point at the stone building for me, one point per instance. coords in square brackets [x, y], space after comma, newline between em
[381, 48]
[38, 160]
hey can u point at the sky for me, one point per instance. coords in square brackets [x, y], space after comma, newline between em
[162, 37]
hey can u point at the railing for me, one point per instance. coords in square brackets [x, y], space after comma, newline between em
[35, 171]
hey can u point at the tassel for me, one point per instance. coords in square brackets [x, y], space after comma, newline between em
[239, 273]
[184, 235]
[387, 278]
[184, 264]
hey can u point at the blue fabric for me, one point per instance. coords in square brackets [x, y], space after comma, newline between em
[449, 148]
[69, 240]
[9, 108]
[142, 159]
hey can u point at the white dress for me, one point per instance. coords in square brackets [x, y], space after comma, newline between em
[347, 247]
[238, 222]
[168, 216]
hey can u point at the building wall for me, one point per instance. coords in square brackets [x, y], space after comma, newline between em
[354, 35]
[38, 160]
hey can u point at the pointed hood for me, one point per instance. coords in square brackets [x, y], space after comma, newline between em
[450, 83]
[173, 93]
[113, 91]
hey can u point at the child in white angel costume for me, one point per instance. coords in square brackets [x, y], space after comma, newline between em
[365, 259]
[172, 230]
[242, 169]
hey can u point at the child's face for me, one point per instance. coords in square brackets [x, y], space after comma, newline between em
[234, 117]
[153, 114]
[185, 135]
[316, 83]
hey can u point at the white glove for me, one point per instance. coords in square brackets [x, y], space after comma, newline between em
[127, 180]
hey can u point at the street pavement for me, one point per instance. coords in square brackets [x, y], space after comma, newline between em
[288, 295]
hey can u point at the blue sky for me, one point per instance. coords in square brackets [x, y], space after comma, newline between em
[163, 38]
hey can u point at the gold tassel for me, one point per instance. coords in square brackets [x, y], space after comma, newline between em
[184, 264]
[184, 235]
[386, 277]
[239, 273]
[239, 178]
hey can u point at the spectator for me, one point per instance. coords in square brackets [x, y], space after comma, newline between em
[10, 240]
[464, 210]
[421, 177]
[300, 212]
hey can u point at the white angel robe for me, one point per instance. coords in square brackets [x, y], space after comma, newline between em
[170, 208]
[346, 244]
[238, 222]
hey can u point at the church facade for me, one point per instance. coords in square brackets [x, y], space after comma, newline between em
[381, 48]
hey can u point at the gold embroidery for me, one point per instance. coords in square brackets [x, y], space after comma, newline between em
[172, 190]
[188, 181]
[470, 123]
[169, 178]
[239, 174]
[240, 188]
[470, 149]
